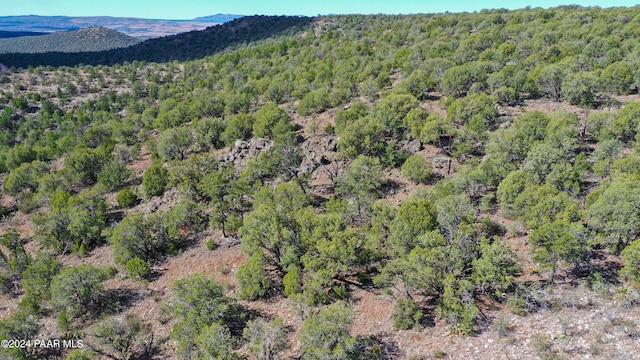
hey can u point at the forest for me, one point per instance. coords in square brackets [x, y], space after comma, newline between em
[88, 39]
[341, 187]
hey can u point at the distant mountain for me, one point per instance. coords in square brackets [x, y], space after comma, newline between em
[140, 28]
[217, 18]
[89, 39]
[181, 47]
[13, 34]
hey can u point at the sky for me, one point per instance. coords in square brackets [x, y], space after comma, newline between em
[189, 9]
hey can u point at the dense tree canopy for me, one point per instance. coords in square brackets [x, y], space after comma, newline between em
[410, 156]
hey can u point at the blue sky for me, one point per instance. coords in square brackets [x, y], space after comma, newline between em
[188, 9]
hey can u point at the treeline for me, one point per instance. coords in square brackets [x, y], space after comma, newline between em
[13, 34]
[88, 39]
[182, 47]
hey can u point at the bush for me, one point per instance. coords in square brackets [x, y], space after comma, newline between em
[25, 177]
[138, 269]
[631, 257]
[269, 118]
[406, 314]
[114, 175]
[20, 325]
[252, 277]
[417, 169]
[292, 282]
[238, 127]
[141, 237]
[174, 143]
[325, 335]
[83, 165]
[209, 132]
[125, 337]
[74, 225]
[329, 129]
[211, 244]
[78, 355]
[28, 203]
[266, 339]
[155, 180]
[316, 102]
[198, 301]
[362, 179]
[127, 198]
[36, 280]
[78, 290]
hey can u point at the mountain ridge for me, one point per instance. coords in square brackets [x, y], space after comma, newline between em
[95, 38]
[14, 34]
[136, 27]
[185, 46]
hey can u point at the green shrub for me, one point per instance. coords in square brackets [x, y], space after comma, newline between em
[174, 143]
[28, 203]
[84, 165]
[198, 301]
[329, 129]
[253, 279]
[36, 280]
[155, 180]
[127, 198]
[267, 119]
[292, 282]
[74, 224]
[266, 339]
[211, 244]
[77, 291]
[25, 177]
[406, 314]
[114, 175]
[20, 325]
[631, 257]
[125, 337]
[325, 334]
[516, 304]
[78, 355]
[417, 169]
[209, 132]
[138, 269]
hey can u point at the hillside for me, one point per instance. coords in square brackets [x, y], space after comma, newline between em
[182, 47]
[13, 34]
[140, 28]
[73, 41]
[459, 186]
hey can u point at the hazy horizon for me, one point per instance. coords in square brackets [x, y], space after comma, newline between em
[188, 10]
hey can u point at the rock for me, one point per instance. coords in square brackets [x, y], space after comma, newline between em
[412, 146]
[242, 151]
[241, 144]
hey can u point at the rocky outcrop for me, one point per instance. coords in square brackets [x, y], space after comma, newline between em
[243, 151]
[317, 150]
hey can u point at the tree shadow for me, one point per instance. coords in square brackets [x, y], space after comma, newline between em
[389, 187]
[599, 269]
[238, 318]
[182, 47]
[117, 300]
[379, 346]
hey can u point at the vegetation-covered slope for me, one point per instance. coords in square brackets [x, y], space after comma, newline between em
[12, 34]
[347, 190]
[136, 27]
[82, 40]
[181, 47]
